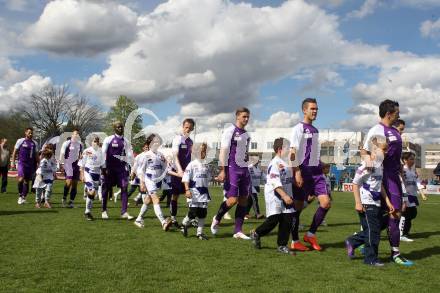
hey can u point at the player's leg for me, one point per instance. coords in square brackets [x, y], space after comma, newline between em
[284, 229]
[358, 238]
[48, 195]
[146, 199]
[107, 184]
[123, 185]
[201, 213]
[410, 215]
[268, 225]
[39, 192]
[372, 235]
[244, 187]
[186, 222]
[298, 201]
[165, 222]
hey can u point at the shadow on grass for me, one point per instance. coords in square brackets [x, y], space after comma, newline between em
[424, 234]
[423, 253]
[11, 213]
[343, 224]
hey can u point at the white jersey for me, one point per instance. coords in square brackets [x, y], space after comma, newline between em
[139, 162]
[279, 174]
[70, 151]
[197, 175]
[370, 184]
[154, 165]
[92, 160]
[46, 169]
[412, 185]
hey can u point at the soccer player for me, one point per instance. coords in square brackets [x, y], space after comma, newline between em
[196, 179]
[368, 192]
[389, 113]
[117, 155]
[307, 170]
[70, 154]
[181, 148]
[400, 125]
[279, 199]
[4, 163]
[90, 173]
[136, 172]
[44, 179]
[234, 172]
[26, 149]
[413, 187]
[256, 175]
[154, 169]
[167, 187]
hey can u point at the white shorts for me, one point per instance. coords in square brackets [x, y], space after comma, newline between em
[152, 187]
[92, 181]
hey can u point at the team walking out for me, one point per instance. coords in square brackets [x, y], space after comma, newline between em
[385, 186]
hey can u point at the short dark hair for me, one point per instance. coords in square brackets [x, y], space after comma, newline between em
[399, 122]
[278, 143]
[75, 129]
[189, 120]
[151, 137]
[240, 110]
[408, 155]
[308, 101]
[28, 128]
[387, 106]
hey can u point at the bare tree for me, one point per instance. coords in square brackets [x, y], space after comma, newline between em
[85, 116]
[49, 109]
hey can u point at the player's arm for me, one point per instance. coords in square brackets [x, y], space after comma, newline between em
[104, 150]
[185, 180]
[225, 145]
[175, 149]
[387, 200]
[284, 196]
[421, 191]
[357, 181]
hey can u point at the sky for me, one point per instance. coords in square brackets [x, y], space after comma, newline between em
[204, 58]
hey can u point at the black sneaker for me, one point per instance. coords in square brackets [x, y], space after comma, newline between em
[255, 239]
[175, 224]
[202, 236]
[89, 216]
[285, 250]
[184, 230]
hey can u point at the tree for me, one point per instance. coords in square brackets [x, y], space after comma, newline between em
[119, 112]
[48, 110]
[54, 110]
[13, 125]
[83, 115]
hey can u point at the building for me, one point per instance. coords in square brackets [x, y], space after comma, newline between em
[431, 155]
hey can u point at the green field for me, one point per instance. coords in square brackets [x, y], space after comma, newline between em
[57, 250]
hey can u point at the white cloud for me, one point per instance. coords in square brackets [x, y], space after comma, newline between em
[415, 84]
[81, 27]
[208, 53]
[19, 93]
[367, 8]
[279, 119]
[424, 4]
[327, 3]
[430, 29]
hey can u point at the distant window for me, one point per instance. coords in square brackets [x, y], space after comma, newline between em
[253, 145]
[270, 145]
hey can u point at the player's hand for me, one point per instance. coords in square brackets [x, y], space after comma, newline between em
[188, 194]
[288, 200]
[132, 176]
[359, 207]
[180, 174]
[424, 197]
[390, 208]
[299, 181]
[143, 188]
[81, 177]
[404, 206]
[221, 176]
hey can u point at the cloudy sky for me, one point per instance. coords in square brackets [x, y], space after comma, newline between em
[203, 58]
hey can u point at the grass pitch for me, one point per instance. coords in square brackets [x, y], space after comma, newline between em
[57, 250]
